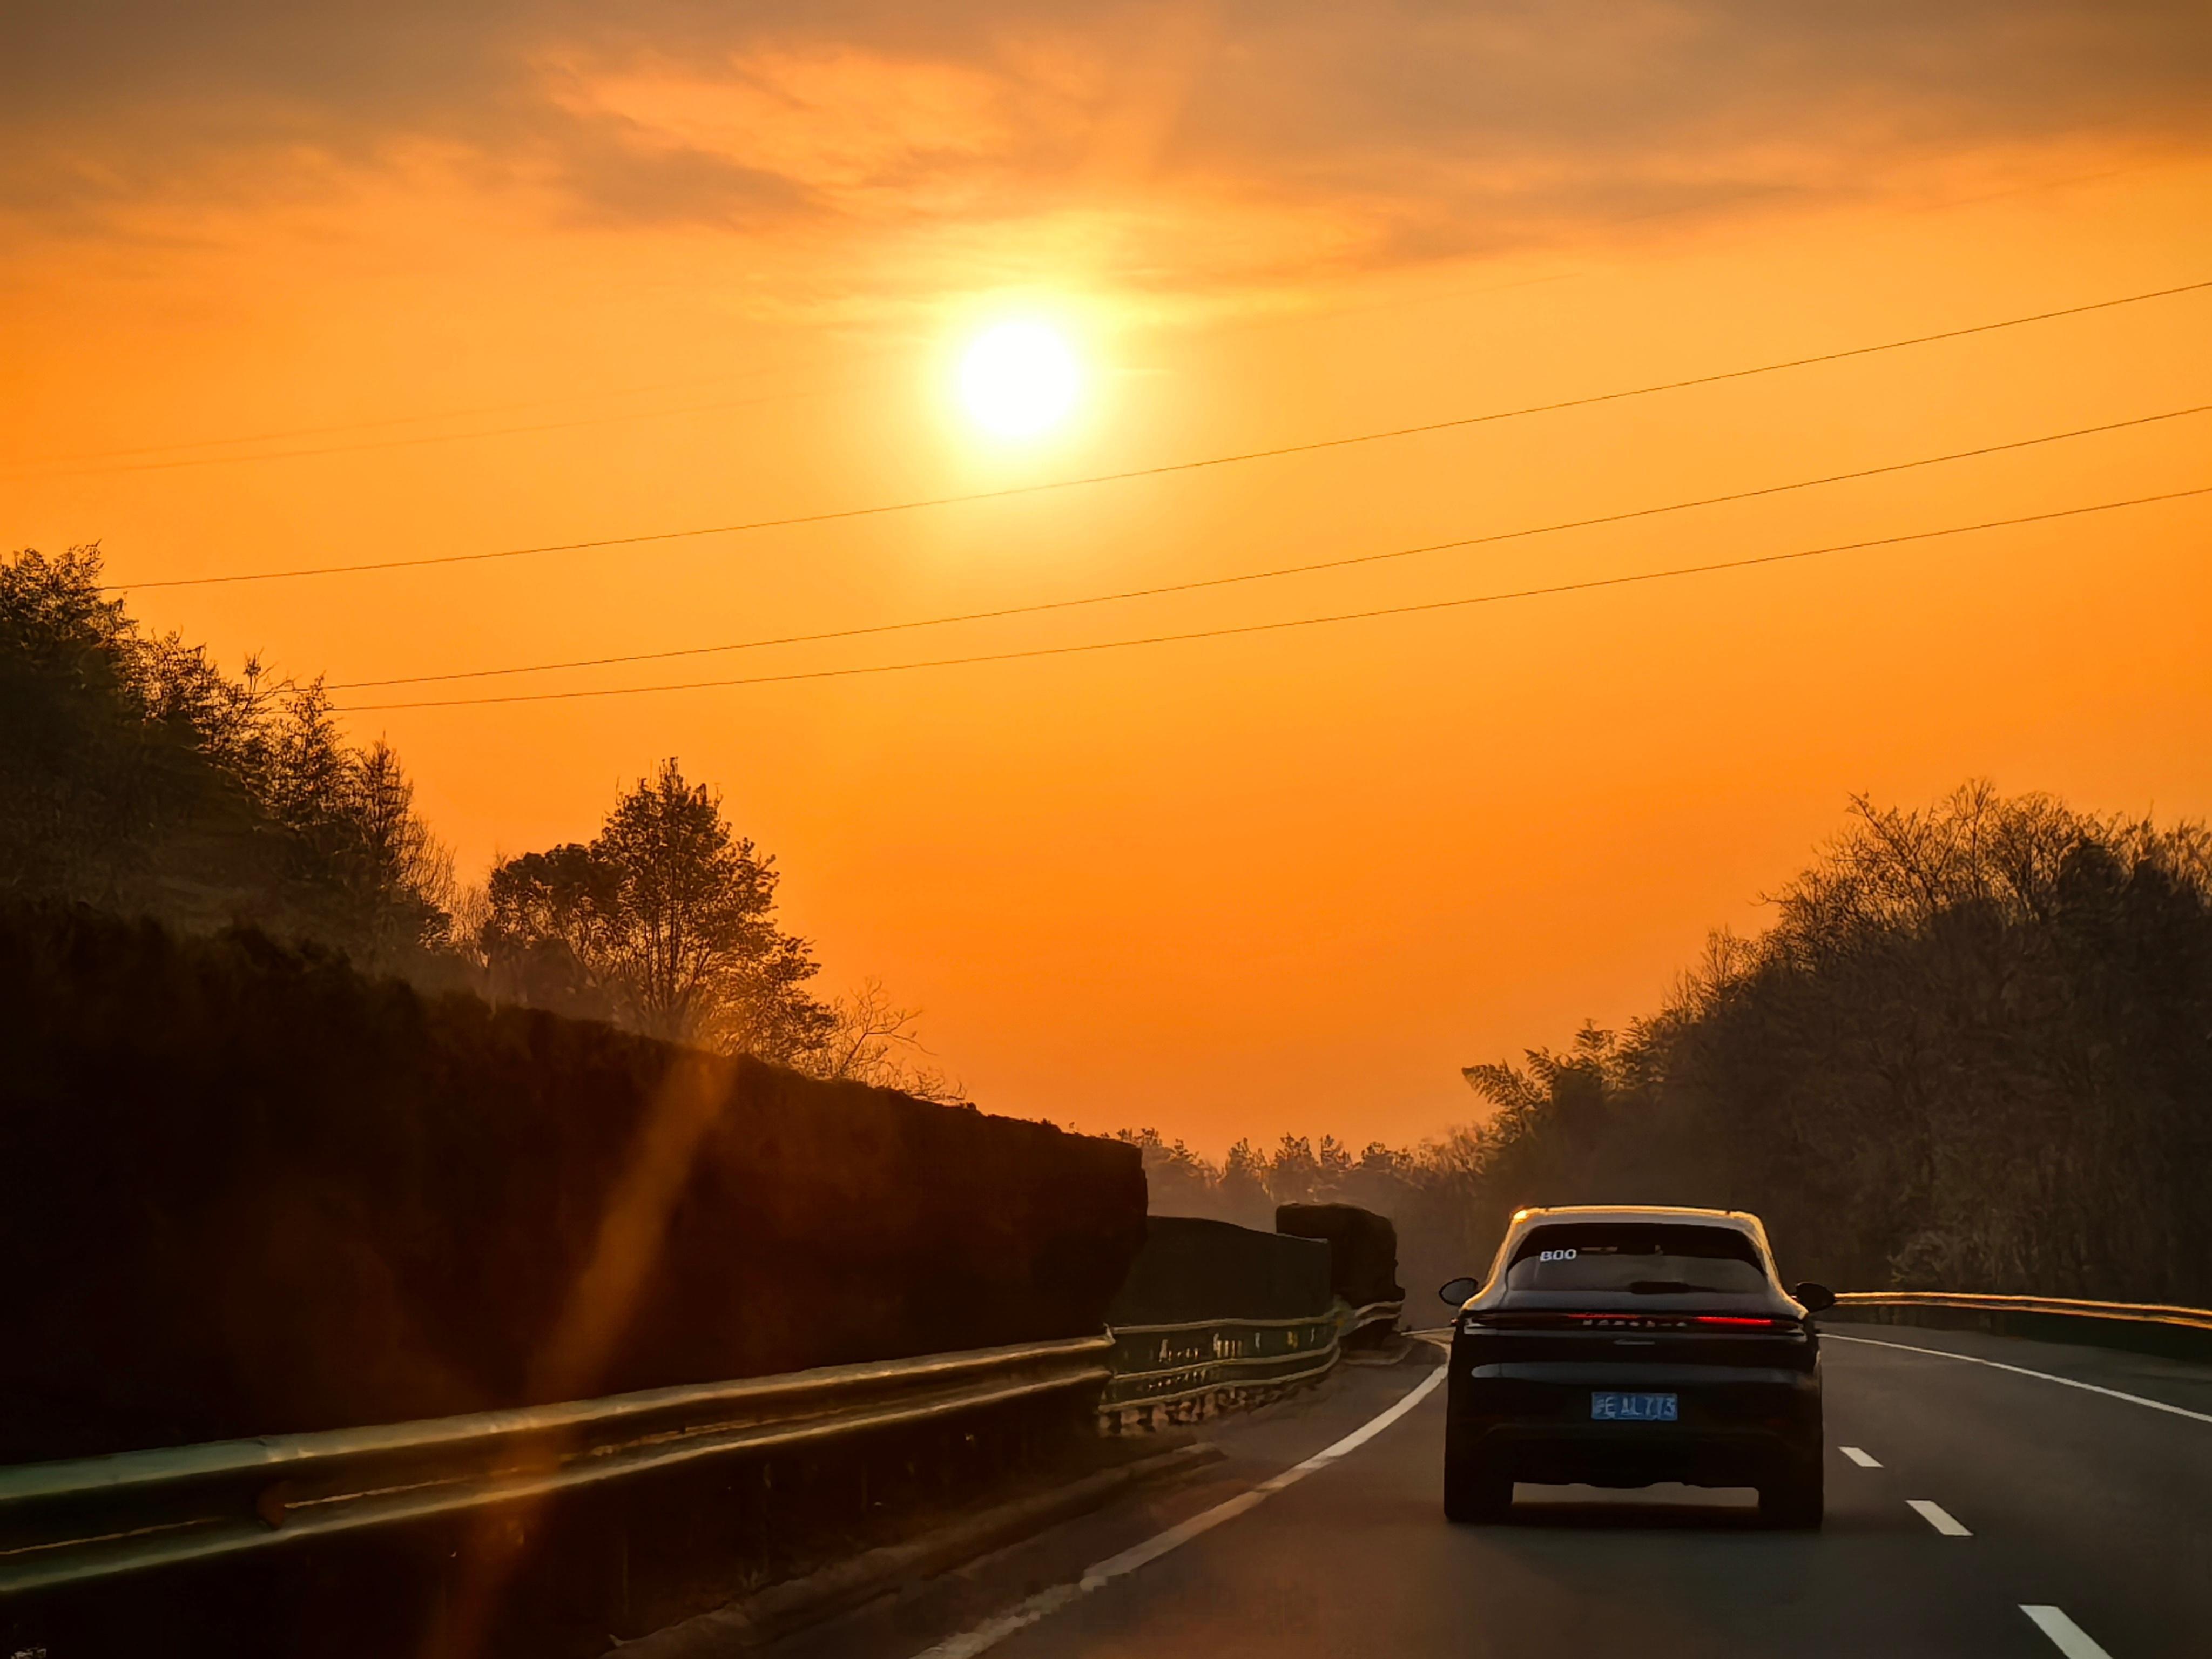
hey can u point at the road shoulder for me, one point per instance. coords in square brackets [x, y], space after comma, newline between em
[2178, 1382]
[1252, 1447]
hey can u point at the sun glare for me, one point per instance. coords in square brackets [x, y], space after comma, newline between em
[1018, 380]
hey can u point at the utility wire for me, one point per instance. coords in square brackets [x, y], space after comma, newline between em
[1204, 582]
[1169, 467]
[1295, 622]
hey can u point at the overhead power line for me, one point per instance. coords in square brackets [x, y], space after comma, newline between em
[1203, 582]
[1036, 651]
[1168, 468]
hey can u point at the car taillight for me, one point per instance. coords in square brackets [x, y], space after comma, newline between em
[1742, 1322]
[1622, 1320]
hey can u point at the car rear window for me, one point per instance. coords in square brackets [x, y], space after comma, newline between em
[1651, 1259]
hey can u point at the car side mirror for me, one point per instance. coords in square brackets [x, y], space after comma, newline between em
[1817, 1298]
[1459, 1290]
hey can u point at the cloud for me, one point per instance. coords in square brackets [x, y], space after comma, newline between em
[1214, 140]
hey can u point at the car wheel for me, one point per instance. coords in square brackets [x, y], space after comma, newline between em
[1795, 1498]
[1476, 1490]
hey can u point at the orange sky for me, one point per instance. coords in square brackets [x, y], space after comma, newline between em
[545, 281]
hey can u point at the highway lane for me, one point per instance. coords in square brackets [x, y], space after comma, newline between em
[2081, 1502]
[2101, 1505]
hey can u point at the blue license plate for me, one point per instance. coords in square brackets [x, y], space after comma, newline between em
[1635, 1409]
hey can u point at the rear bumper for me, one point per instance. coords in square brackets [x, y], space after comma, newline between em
[1738, 1426]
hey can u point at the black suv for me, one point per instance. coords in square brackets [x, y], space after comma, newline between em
[1619, 1347]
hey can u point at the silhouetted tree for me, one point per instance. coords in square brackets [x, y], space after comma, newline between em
[666, 921]
[136, 775]
[872, 1039]
[1179, 1181]
[1973, 1052]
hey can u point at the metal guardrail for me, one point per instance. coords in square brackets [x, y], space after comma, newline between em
[1375, 1313]
[89, 1519]
[1187, 1368]
[2147, 1327]
[1170, 1364]
[2158, 1313]
[96, 1517]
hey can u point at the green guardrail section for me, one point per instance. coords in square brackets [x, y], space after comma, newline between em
[1188, 1367]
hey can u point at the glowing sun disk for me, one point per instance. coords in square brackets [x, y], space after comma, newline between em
[1018, 379]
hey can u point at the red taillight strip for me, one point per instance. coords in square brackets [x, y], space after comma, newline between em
[1624, 1319]
[1655, 1322]
[1742, 1322]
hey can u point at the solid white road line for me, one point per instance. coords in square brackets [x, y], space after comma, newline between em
[1937, 1516]
[992, 1632]
[2069, 1638]
[2022, 1370]
[1860, 1457]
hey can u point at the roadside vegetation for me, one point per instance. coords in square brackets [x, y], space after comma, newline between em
[1972, 1052]
[137, 777]
[246, 1189]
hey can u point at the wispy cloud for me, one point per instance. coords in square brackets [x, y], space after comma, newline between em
[1175, 143]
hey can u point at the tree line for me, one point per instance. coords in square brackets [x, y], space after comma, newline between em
[138, 777]
[1973, 1051]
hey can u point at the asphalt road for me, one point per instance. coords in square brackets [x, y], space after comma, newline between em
[1992, 1491]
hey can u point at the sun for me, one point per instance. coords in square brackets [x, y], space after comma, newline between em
[1019, 378]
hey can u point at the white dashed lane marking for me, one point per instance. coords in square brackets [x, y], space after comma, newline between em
[1937, 1516]
[1860, 1457]
[2069, 1638]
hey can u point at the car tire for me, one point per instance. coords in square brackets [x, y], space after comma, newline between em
[1476, 1490]
[1795, 1499]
